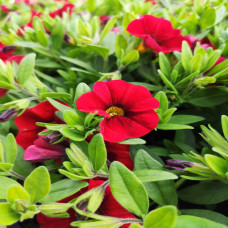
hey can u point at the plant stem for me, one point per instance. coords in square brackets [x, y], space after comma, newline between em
[18, 176]
[26, 91]
[179, 183]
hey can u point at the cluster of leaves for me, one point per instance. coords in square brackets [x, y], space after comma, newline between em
[64, 56]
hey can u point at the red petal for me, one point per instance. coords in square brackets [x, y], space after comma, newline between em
[119, 152]
[90, 102]
[119, 128]
[35, 153]
[25, 138]
[3, 92]
[42, 112]
[137, 28]
[15, 58]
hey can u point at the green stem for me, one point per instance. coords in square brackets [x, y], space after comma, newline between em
[26, 91]
[18, 176]
[179, 183]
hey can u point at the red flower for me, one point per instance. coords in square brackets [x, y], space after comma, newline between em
[5, 9]
[6, 51]
[3, 92]
[60, 11]
[128, 109]
[42, 150]
[26, 122]
[119, 152]
[158, 34]
[29, 24]
[109, 207]
[15, 58]
[205, 43]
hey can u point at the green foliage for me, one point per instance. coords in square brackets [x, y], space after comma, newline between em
[37, 184]
[162, 217]
[128, 190]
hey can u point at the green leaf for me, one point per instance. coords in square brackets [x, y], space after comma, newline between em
[17, 192]
[81, 89]
[205, 193]
[186, 56]
[108, 27]
[102, 51]
[217, 164]
[96, 199]
[59, 106]
[55, 95]
[72, 118]
[211, 215]
[208, 18]
[8, 216]
[134, 141]
[167, 82]
[62, 189]
[209, 97]
[164, 65]
[40, 31]
[195, 63]
[97, 152]
[185, 119]
[5, 184]
[38, 184]
[5, 167]
[162, 217]
[72, 134]
[11, 148]
[80, 63]
[73, 176]
[161, 96]
[162, 192]
[21, 166]
[154, 175]
[121, 44]
[26, 68]
[131, 57]
[187, 221]
[57, 35]
[135, 225]
[170, 126]
[127, 189]
[225, 126]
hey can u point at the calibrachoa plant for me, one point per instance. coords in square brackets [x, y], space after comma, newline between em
[114, 113]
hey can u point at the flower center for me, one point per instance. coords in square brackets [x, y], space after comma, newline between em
[115, 111]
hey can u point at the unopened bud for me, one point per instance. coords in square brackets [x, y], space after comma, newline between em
[53, 208]
[53, 137]
[8, 49]
[178, 164]
[6, 115]
[20, 205]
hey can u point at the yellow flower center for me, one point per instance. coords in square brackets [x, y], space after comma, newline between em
[115, 111]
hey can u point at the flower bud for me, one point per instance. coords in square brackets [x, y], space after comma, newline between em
[8, 49]
[53, 137]
[6, 115]
[178, 164]
[53, 208]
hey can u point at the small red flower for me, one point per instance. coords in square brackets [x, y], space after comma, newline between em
[26, 122]
[109, 207]
[60, 11]
[5, 9]
[128, 109]
[158, 34]
[42, 150]
[29, 24]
